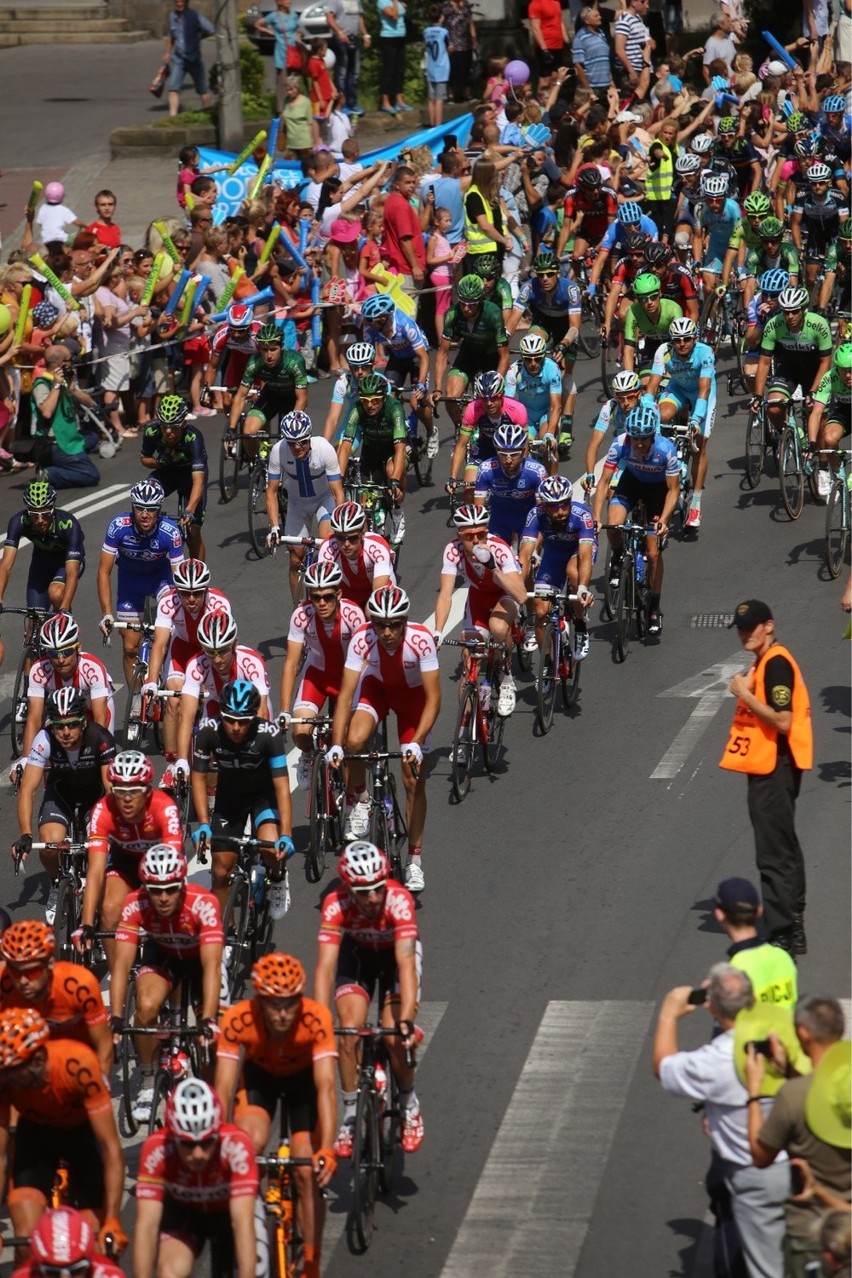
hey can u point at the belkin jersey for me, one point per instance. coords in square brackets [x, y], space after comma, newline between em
[660, 462]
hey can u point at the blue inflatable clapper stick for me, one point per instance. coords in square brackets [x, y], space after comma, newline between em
[174, 301]
[272, 138]
[316, 319]
[777, 47]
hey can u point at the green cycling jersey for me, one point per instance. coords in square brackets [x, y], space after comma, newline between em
[484, 336]
[637, 323]
[757, 261]
[288, 375]
[380, 433]
[833, 390]
[812, 341]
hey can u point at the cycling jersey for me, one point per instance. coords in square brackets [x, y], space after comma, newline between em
[405, 340]
[838, 142]
[359, 575]
[145, 561]
[679, 286]
[559, 545]
[500, 295]
[836, 397]
[174, 616]
[201, 680]
[341, 916]
[476, 418]
[739, 157]
[624, 273]
[90, 677]
[197, 922]
[686, 371]
[660, 462]
[189, 454]
[230, 1173]
[758, 260]
[597, 209]
[612, 414]
[563, 302]
[244, 1037]
[74, 774]
[533, 391]
[747, 234]
[280, 382]
[510, 498]
[72, 1003]
[246, 770]
[478, 576]
[73, 1090]
[63, 539]
[821, 221]
[325, 645]
[160, 823]
[758, 314]
[483, 334]
[305, 477]
[797, 355]
[719, 225]
[234, 347]
[637, 323]
[379, 433]
[397, 671]
[617, 234]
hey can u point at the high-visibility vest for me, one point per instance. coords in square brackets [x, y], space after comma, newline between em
[771, 971]
[658, 181]
[753, 744]
[477, 240]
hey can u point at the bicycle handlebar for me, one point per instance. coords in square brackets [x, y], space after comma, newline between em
[379, 756]
[273, 1160]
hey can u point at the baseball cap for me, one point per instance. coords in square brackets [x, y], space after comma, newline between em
[750, 613]
[732, 895]
[776, 67]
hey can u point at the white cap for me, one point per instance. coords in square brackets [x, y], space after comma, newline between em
[628, 117]
[776, 67]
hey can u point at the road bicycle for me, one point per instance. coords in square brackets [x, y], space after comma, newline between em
[682, 436]
[283, 1244]
[417, 449]
[792, 449]
[232, 455]
[258, 519]
[311, 548]
[388, 829]
[722, 315]
[31, 651]
[71, 880]
[592, 313]
[557, 664]
[631, 596]
[179, 1053]
[246, 918]
[761, 437]
[384, 515]
[477, 721]
[523, 656]
[326, 801]
[838, 514]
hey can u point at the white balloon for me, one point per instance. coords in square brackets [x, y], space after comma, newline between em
[329, 59]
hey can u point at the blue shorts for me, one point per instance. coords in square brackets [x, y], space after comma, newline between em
[507, 527]
[45, 568]
[132, 591]
[713, 261]
[553, 569]
[180, 69]
[678, 395]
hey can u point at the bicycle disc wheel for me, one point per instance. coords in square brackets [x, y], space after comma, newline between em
[65, 922]
[836, 530]
[790, 475]
[229, 467]
[258, 522]
[755, 448]
[623, 610]
[235, 919]
[365, 1167]
[19, 702]
[464, 743]
[129, 1063]
[548, 675]
[321, 820]
[162, 1089]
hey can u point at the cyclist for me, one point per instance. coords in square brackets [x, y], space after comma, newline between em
[738, 152]
[476, 327]
[620, 294]
[590, 205]
[180, 928]
[554, 304]
[535, 381]
[73, 757]
[180, 611]
[379, 421]
[391, 664]
[690, 366]
[717, 224]
[648, 319]
[363, 557]
[563, 532]
[283, 379]
[844, 272]
[147, 546]
[676, 280]
[64, 1242]
[317, 643]
[368, 939]
[508, 483]
[830, 418]
[834, 127]
[797, 347]
[360, 356]
[760, 310]
[629, 221]
[67, 995]
[310, 472]
[818, 213]
[64, 665]
[408, 355]
[198, 1182]
[626, 391]
[127, 821]
[771, 254]
[757, 208]
[64, 1114]
[484, 415]
[176, 455]
[220, 660]
[496, 587]
[497, 289]
[686, 194]
[279, 1046]
[59, 554]
[648, 468]
[233, 345]
[253, 783]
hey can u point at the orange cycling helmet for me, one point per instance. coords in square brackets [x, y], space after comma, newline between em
[27, 942]
[278, 976]
[22, 1032]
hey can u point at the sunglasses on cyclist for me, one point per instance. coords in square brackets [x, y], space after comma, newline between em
[193, 594]
[481, 535]
[388, 625]
[370, 891]
[679, 341]
[56, 654]
[468, 306]
[533, 359]
[236, 718]
[345, 537]
[372, 400]
[547, 275]
[125, 791]
[58, 1271]
[64, 725]
[324, 598]
[220, 652]
[283, 1004]
[167, 889]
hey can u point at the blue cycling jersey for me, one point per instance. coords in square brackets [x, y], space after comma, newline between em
[150, 556]
[616, 234]
[564, 299]
[685, 372]
[753, 311]
[719, 226]
[406, 337]
[580, 526]
[534, 391]
[510, 497]
[660, 462]
[612, 414]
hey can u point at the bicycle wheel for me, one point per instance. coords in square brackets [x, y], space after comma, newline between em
[608, 604]
[790, 475]
[495, 724]
[390, 1134]
[755, 447]
[708, 326]
[623, 610]
[525, 659]
[397, 828]
[589, 339]
[464, 742]
[610, 363]
[836, 529]
[548, 675]
[129, 1063]
[365, 1166]
[641, 593]
[258, 522]
[65, 922]
[162, 1090]
[570, 668]
[19, 700]
[324, 818]
[235, 918]
[230, 456]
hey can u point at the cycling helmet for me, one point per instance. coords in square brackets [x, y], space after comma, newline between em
[727, 125]
[702, 144]
[846, 229]
[193, 1111]
[149, 494]
[323, 576]
[688, 163]
[590, 176]
[510, 438]
[643, 421]
[65, 705]
[714, 185]
[54, 192]
[793, 299]
[191, 574]
[59, 632]
[363, 865]
[796, 122]
[486, 265]
[842, 362]
[554, 491]
[470, 516]
[756, 204]
[239, 699]
[29, 941]
[348, 518]
[39, 496]
[378, 306]
[805, 149]
[819, 173]
[172, 411]
[278, 976]
[773, 282]
[372, 385]
[646, 285]
[131, 768]
[162, 864]
[657, 254]
[626, 382]
[470, 289]
[62, 1239]
[388, 603]
[532, 345]
[45, 314]
[239, 316]
[683, 326]
[489, 385]
[770, 229]
[269, 334]
[545, 261]
[635, 242]
[834, 104]
[296, 427]
[630, 213]
[361, 355]
[22, 1033]
[216, 630]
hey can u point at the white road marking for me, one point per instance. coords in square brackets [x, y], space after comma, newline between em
[82, 506]
[710, 687]
[554, 1141]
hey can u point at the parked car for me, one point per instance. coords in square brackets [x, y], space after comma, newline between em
[312, 21]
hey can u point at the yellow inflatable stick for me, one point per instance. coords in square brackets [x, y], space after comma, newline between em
[43, 269]
[23, 312]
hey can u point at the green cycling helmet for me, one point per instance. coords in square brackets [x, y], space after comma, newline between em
[796, 122]
[843, 357]
[471, 289]
[487, 264]
[846, 229]
[372, 384]
[756, 204]
[646, 285]
[545, 262]
[172, 411]
[39, 495]
[270, 335]
[770, 229]
[727, 124]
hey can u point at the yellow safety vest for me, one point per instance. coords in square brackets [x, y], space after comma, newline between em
[658, 181]
[772, 974]
[477, 240]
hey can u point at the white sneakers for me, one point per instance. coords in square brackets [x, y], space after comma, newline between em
[279, 897]
[143, 1104]
[581, 644]
[50, 908]
[507, 698]
[433, 443]
[303, 771]
[414, 879]
[825, 479]
[357, 820]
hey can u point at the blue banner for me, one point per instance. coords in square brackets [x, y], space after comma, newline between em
[233, 189]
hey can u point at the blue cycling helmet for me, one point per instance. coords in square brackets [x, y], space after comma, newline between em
[148, 494]
[554, 491]
[489, 385]
[630, 213]
[643, 421]
[240, 699]
[296, 426]
[510, 438]
[774, 281]
[834, 105]
[378, 306]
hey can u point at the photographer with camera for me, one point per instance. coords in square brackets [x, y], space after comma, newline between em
[60, 445]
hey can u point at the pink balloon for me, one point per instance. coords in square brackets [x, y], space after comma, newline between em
[517, 72]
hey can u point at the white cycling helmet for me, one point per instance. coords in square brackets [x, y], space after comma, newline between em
[625, 382]
[162, 864]
[349, 517]
[554, 491]
[532, 345]
[360, 355]
[510, 438]
[216, 630]
[149, 494]
[714, 185]
[701, 144]
[685, 164]
[363, 865]
[388, 603]
[191, 574]
[793, 299]
[60, 632]
[683, 326]
[470, 516]
[295, 427]
[323, 576]
[193, 1111]
[819, 172]
[131, 769]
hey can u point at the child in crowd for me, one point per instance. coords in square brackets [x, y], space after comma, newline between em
[439, 258]
[370, 254]
[496, 86]
[319, 81]
[338, 127]
[189, 169]
[436, 41]
[54, 220]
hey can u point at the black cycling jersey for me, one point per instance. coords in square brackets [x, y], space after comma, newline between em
[74, 775]
[246, 771]
[820, 220]
[63, 539]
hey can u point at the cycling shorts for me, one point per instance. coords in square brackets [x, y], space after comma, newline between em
[181, 652]
[230, 822]
[556, 326]
[838, 414]
[360, 970]
[234, 368]
[378, 700]
[132, 591]
[38, 1151]
[123, 865]
[713, 262]
[508, 525]
[45, 568]
[55, 809]
[315, 689]
[301, 512]
[297, 1093]
[630, 490]
[267, 407]
[481, 604]
[195, 1228]
[399, 368]
[177, 479]
[173, 969]
[681, 399]
[470, 364]
[553, 569]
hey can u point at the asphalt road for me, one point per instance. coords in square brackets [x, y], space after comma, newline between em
[568, 892]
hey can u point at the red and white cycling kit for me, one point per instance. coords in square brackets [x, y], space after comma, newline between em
[90, 677]
[127, 842]
[484, 593]
[397, 920]
[202, 681]
[233, 347]
[230, 1173]
[393, 681]
[197, 922]
[374, 560]
[173, 616]
[325, 651]
[99, 1267]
